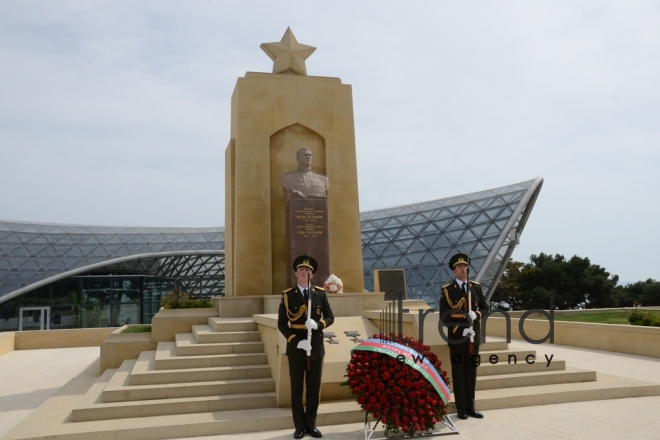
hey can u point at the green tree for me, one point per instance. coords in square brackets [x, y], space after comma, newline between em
[646, 293]
[508, 294]
[575, 283]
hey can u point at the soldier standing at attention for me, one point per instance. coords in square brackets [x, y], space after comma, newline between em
[463, 341]
[293, 321]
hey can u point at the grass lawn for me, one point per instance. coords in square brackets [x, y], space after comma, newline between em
[604, 317]
[137, 329]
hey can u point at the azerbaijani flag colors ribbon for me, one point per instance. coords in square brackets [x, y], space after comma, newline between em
[412, 359]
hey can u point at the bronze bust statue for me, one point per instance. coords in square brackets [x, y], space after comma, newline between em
[303, 183]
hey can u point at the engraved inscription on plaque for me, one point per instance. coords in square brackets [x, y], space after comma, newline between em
[310, 221]
[307, 230]
[392, 282]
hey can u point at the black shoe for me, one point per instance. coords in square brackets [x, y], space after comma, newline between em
[474, 413]
[314, 432]
[462, 415]
[300, 433]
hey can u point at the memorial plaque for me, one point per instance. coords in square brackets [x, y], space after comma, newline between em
[392, 282]
[307, 234]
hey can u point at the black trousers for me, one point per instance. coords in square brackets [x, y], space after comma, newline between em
[312, 380]
[464, 375]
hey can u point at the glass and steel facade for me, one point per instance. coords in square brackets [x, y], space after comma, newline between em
[106, 276]
[421, 238]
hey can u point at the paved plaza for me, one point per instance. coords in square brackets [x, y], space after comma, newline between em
[29, 377]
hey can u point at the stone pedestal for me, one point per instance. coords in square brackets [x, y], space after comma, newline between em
[273, 115]
[307, 234]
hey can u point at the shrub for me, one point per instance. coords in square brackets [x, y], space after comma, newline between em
[644, 318]
[177, 299]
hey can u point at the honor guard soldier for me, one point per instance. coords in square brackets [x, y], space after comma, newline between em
[294, 320]
[458, 300]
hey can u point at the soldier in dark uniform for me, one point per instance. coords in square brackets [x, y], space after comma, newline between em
[463, 341]
[293, 321]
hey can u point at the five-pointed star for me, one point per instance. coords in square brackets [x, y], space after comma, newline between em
[288, 55]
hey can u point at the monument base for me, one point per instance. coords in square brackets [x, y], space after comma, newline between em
[342, 304]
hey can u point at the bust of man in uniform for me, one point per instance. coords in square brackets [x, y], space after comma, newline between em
[303, 183]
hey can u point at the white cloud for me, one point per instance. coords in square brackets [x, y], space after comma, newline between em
[118, 112]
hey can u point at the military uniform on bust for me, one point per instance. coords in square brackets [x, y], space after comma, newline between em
[454, 298]
[293, 322]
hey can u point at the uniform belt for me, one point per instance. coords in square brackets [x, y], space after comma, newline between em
[298, 326]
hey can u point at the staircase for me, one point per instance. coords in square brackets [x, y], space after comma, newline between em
[218, 367]
[216, 380]
[517, 383]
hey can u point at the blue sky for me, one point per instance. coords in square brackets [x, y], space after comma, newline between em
[117, 113]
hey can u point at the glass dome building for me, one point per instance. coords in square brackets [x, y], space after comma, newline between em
[97, 276]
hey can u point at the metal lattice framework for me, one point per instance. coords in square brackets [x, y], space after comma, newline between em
[35, 254]
[421, 238]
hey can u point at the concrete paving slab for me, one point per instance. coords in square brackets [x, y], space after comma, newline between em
[29, 377]
[47, 370]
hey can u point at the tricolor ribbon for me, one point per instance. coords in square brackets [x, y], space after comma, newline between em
[412, 359]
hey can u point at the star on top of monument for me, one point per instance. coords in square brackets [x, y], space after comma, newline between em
[288, 55]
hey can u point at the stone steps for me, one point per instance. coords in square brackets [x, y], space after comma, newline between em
[505, 368]
[570, 375]
[505, 354]
[168, 394]
[144, 372]
[187, 345]
[151, 408]
[493, 346]
[204, 334]
[331, 413]
[232, 324]
[203, 371]
[167, 359]
[606, 387]
[119, 388]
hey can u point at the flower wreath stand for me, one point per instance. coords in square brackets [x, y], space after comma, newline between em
[399, 382]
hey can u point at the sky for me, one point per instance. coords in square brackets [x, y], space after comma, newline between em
[118, 113]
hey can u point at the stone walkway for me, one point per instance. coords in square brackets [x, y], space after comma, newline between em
[29, 377]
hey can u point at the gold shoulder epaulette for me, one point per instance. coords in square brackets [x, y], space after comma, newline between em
[318, 288]
[288, 290]
[446, 285]
[454, 305]
[474, 282]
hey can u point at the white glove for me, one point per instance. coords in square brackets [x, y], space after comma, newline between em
[304, 345]
[473, 315]
[468, 332]
[311, 325]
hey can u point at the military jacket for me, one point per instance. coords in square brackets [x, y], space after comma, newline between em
[292, 316]
[452, 300]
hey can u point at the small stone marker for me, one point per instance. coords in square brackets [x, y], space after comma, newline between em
[392, 282]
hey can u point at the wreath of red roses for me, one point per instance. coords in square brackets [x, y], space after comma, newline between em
[393, 392]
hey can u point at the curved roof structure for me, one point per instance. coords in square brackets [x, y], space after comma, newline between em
[418, 238]
[421, 237]
[35, 254]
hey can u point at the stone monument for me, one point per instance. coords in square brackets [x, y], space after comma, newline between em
[305, 196]
[273, 116]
